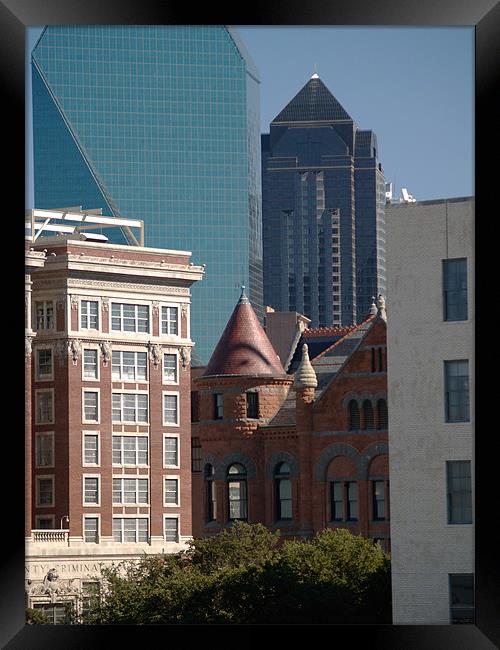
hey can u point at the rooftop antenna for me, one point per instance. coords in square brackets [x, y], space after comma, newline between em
[315, 74]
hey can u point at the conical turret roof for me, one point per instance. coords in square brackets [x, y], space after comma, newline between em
[314, 102]
[243, 348]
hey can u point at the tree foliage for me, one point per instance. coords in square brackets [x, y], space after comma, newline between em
[247, 574]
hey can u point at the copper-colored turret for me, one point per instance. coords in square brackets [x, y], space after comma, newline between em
[244, 348]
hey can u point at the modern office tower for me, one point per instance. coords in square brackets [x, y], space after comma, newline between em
[159, 123]
[108, 411]
[323, 199]
[430, 348]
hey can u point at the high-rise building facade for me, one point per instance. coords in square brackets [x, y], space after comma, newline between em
[323, 199]
[159, 123]
[430, 347]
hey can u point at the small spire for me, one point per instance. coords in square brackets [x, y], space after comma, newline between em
[373, 308]
[305, 377]
[381, 306]
[243, 298]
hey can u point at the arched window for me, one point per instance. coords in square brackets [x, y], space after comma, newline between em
[382, 414]
[368, 414]
[211, 493]
[353, 415]
[237, 492]
[283, 491]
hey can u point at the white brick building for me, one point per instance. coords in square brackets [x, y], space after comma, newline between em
[430, 258]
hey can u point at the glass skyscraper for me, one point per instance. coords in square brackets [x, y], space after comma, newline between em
[323, 211]
[159, 123]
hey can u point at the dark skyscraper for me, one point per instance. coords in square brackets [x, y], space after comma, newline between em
[323, 211]
[159, 123]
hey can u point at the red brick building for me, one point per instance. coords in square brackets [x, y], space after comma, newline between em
[108, 387]
[299, 452]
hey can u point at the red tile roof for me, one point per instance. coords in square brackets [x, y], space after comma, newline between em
[244, 348]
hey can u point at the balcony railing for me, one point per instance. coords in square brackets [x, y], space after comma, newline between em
[50, 536]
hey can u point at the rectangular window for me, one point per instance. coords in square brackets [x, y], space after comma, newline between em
[90, 530]
[44, 367]
[129, 366]
[455, 289]
[459, 491]
[44, 315]
[170, 368]
[169, 320]
[56, 613]
[44, 407]
[352, 500]
[130, 450]
[171, 450]
[130, 491]
[45, 491]
[129, 529]
[195, 455]
[337, 501]
[90, 367]
[129, 318]
[171, 491]
[130, 407]
[91, 490]
[91, 449]
[218, 406]
[91, 406]
[195, 406]
[89, 315]
[171, 529]
[44, 449]
[462, 598]
[252, 404]
[378, 500]
[170, 409]
[456, 381]
[44, 523]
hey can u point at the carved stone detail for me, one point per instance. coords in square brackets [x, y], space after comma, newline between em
[155, 354]
[74, 301]
[185, 354]
[52, 586]
[60, 302]
[184, 309]
[61, 350]
[75, 349]
[27, 347]
[156, 307]
[105, 347]
[105, 303]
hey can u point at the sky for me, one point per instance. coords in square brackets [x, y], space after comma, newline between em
[413, 86]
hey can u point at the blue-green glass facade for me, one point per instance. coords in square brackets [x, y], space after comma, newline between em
[159, 123]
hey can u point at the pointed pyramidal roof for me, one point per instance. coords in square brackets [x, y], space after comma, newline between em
[243, 348]
[314, 102]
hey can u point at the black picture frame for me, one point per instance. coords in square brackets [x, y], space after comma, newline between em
[15, 17]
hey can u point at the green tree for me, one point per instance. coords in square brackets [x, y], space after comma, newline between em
[247, 574]
[36, 617]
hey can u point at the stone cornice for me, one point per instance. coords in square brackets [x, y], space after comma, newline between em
[113, 265]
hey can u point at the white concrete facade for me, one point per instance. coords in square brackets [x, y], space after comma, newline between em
[425, 548]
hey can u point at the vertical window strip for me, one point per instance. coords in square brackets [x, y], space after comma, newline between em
[90, 366]
[89, 315]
